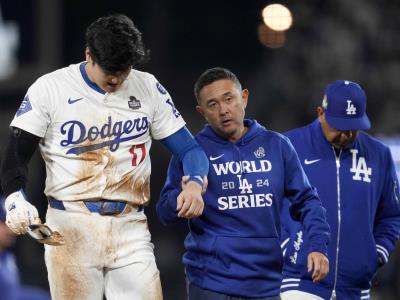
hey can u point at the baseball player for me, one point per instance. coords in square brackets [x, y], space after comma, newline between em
[356, 180]
[94, 122]
[232, 249]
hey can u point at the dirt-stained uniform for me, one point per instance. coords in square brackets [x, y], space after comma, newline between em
[96, 147]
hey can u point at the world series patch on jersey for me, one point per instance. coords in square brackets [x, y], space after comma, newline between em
[95, 144]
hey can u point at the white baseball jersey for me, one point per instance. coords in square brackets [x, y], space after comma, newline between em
[97, 144]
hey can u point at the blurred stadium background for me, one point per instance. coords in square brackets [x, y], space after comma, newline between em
[285, 71]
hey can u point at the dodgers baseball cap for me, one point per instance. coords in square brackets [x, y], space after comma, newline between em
[345, 105]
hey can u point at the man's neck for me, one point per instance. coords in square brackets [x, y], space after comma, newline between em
[88, 70]
[240, 133]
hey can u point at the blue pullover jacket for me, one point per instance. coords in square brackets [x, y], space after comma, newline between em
[233, 247]
[359, 189]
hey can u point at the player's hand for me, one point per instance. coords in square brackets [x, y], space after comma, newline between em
[20, 213]
[319, 264]
[190, 203]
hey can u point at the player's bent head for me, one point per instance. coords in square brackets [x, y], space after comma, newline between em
[214, 74]
[115, 43]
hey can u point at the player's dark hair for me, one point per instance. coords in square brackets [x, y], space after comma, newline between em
[115, 43]
[214, 74]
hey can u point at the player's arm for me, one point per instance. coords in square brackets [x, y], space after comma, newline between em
[195, 165]
[20, 147]
[387, 218]
[307, 208]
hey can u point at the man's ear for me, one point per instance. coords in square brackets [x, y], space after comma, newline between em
[88, 56]
[245, 97]
[320, 113]
[200, 110]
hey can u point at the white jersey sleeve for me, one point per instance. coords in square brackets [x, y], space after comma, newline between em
[33, 114]
[167, 119]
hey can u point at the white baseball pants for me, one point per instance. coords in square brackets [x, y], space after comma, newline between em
[110, 255]
[299, 295]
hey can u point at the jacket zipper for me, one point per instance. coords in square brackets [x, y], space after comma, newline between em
[337, 158]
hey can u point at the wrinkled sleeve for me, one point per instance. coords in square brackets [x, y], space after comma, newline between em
[306, 206]
[285, 227]
[387, 218]
[167, 119]
[34, 112]
[166, 205]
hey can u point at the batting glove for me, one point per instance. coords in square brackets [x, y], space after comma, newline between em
[20, 213]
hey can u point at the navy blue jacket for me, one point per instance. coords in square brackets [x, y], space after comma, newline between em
[233, 248]
[359, 189]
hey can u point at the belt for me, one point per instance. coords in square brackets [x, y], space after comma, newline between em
[102, 207]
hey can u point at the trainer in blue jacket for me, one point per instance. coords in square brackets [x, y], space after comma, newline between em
[356, 180]
[232, 249]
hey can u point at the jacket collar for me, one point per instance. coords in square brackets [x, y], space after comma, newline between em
[318, 136]
[254, 128]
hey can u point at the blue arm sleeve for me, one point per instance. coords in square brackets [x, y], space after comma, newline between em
[187, 150]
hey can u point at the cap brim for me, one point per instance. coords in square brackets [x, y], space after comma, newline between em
[362, 123]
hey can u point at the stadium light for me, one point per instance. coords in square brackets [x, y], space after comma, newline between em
[277, 17]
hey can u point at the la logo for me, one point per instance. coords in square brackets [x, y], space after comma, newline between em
[359, 167]
[351, 109]
[244, 185]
